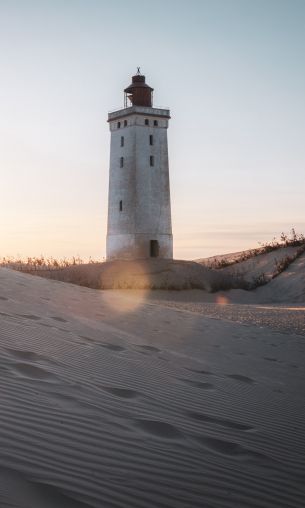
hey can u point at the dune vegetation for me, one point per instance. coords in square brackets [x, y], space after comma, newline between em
[245, 270]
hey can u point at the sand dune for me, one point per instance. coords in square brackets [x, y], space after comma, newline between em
[179, 275]
[143, 274]
[262, 264]
[255, 266]
[288, 287]
[111, 400]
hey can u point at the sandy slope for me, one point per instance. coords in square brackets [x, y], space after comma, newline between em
[143, 273]
[171, 274]
[288, 287]
[255, 266]
[263, 264]
[110, 401]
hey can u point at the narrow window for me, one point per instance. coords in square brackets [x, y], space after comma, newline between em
[152, 160]
[146, 121]
[121, 206]
[156, 123]
[121, 162]
[125, 123]
[151, 139]
[119, 125]
[122, 140]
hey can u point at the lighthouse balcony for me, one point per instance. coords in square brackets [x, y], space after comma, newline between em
[138, 110]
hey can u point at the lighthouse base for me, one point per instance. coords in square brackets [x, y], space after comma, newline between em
[139, 246]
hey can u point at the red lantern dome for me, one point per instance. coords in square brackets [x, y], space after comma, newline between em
[139, 93]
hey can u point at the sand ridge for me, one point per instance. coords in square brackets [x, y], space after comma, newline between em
[108, 399]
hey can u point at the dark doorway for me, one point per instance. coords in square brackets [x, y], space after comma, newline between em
[154, 248]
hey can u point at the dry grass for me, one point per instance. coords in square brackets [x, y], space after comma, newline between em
[286, 240]
[160, 273]
[42, 263]
[142, 274]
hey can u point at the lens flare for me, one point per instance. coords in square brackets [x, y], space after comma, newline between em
[126, 276]
[222, 300]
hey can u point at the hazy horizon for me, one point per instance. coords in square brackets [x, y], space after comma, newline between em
[231, 73]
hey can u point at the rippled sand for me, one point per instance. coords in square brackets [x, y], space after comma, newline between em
[115, 399]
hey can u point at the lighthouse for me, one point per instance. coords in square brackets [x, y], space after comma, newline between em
[139, 209]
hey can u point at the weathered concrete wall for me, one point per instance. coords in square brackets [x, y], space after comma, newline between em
[137, 246]
[143, 189]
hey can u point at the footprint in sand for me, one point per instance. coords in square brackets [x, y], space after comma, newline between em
[243, 379]
[3, 298]
[18, 487]
[29, 316]
[230, 448]
[197, 384]
[58, 318]
[124, 393]
[27, 355]
[159, 429]
[87, 339]
[70, 402]
[32, 372]
[229, 424]
[199, 371]
[145, 349]
[112, 347]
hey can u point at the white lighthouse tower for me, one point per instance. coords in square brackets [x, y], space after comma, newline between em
[139, 211]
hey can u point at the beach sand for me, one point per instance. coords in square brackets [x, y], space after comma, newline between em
[140, 399]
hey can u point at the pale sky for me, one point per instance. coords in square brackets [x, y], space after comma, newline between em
[232, 73]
